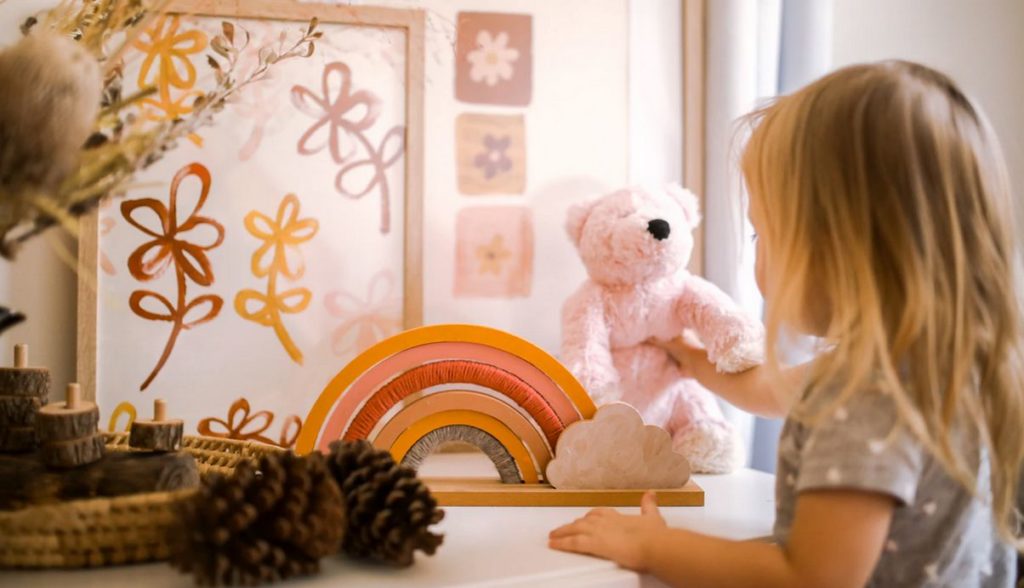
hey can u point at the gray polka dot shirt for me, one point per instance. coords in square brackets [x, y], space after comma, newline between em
[940, 535]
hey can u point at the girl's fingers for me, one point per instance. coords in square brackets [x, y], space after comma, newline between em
[575, 544]
[601, 512]
[649, 504]
[576, 527]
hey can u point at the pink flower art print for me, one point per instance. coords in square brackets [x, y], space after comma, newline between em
[343, 119]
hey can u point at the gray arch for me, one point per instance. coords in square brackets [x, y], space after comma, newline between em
[482, 440]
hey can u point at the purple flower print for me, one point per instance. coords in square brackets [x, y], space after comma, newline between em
[493, 159]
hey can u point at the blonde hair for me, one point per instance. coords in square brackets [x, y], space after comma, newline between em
[888, 220]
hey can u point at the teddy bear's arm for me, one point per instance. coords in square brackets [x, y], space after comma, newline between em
[586, 347]
[734, 340]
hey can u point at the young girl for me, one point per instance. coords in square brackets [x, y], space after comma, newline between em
[883, 212]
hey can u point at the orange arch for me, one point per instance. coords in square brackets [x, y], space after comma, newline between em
[402, 342]
[484, 422]
[472, 401]
[454, 372]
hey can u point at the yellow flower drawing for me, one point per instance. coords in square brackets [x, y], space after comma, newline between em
[168, 68]
[126, 409]
[278, 257]
[492, 255]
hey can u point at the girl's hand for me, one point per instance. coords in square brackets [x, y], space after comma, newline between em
[688, 353]
[608, 534]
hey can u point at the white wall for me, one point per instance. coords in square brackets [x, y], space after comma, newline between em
[977, 42]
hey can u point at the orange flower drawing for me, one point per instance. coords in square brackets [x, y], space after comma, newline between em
[365, 321]
[278, 257]
[243, 426]
[167, 66]
[169, 247]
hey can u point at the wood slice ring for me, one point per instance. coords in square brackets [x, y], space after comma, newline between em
[19, 411]
[69, 454]
[17, 439]
[25, 382]
[70, 420]
[159, 434]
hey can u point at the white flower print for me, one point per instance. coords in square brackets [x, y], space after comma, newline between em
[492, 59]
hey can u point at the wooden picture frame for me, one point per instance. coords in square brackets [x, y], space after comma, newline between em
[694, 79]
[411, 23]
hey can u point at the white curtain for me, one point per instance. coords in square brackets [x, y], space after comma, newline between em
[755, 49]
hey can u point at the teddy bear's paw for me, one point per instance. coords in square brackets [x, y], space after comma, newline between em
[744, 355]
[711, 447]
[601, 383]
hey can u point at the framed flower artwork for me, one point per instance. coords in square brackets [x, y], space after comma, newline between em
[494, 58]
[494, 252]
[255, 260]
[490, 153]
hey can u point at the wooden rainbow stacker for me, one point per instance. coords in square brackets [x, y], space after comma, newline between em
[429, 386]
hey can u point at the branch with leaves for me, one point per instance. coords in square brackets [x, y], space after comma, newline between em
[121, 143]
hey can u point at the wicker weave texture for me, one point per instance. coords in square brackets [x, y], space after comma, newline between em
[111, 531]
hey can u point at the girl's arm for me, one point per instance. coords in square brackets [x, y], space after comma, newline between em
[751, 390]
[836, 540]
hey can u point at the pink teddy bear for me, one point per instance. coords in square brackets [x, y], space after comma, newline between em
[635, 245]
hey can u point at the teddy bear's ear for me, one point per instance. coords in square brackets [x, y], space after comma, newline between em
[687, 200]
[577, 217]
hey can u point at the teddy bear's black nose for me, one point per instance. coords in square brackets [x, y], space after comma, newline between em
[659, 228]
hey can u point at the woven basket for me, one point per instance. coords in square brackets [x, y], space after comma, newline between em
[111, 531]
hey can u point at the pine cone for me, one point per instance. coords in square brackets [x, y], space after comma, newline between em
[388, 508]
[263, 523]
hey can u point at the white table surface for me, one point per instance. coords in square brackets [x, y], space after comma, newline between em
[485, 546]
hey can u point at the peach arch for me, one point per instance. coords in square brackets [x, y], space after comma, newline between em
[466, 400]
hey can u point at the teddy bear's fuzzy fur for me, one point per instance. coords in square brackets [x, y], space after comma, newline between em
[635, 244]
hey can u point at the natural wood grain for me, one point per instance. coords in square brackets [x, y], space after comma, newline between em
[19, 411]
[157, 435]
[616, 450]
[21, 355]
[491, 492]
[302, 11]
[25, 479]
[87, 333]
[55, 423]
[74, 453]
[415, 80]
[25, 382]
[694, 81]
[17, 439]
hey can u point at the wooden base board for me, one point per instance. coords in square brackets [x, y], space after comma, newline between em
[491, 492]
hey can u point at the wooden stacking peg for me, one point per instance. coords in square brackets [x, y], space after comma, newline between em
[21, 356]
[67, 431]
[159, 434]
[22, 380]
[23, 390]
